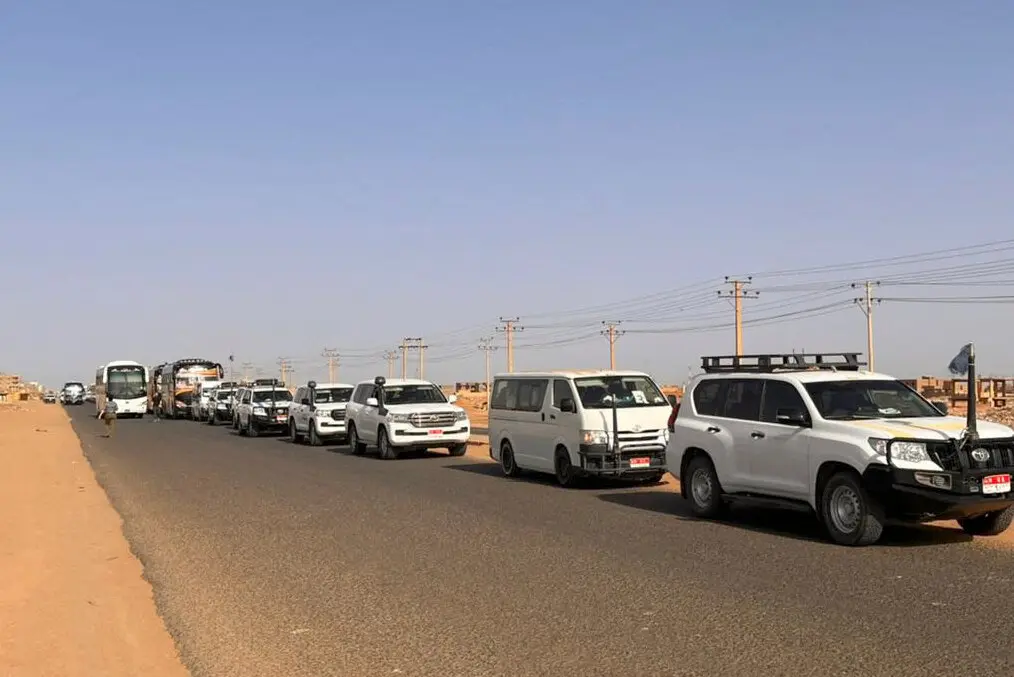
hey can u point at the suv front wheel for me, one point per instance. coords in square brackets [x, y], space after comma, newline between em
[990, 524]
[849, 513]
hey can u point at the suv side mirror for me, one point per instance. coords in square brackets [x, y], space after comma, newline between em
[452, 399]
[372, 402]
[305, 401]
[792, 417]
[941, 407]
[567, 405]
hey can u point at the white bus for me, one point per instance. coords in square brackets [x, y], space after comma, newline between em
[126, 382]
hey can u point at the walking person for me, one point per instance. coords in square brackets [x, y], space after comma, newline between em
[156, 406]
[108, 416]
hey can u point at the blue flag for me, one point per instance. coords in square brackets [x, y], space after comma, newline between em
[959, 365]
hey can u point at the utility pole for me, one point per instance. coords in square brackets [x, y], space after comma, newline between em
[333, 360]
[391, 356]
[737, 294]
[611, 333]
[487, 346]
[246, 370]
[408, 344]
[283, 366]
[509, 328]
[866, 305]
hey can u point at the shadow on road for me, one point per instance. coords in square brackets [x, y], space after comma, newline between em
[786, 523]
[545, 479]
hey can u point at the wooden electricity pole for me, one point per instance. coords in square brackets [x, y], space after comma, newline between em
[737, 294]
[611, 333]
[391, 356]
[509, 328]
[333, 360]
[866, 305]
[486, 345]
[408, 344]
[283, 366]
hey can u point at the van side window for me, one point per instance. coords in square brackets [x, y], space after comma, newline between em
[709, 397]
[561, 391]
[531, 394]
[505, 393]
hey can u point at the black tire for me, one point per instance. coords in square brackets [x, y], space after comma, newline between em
[294, 435]
[458, 450]
[654, 478]
[213, 418]
[251, 428]
[566, 476]
[239, 427]
[387, 450]
[990, 524]
[507, 463]
[358, 446]
[706, 499]
[312, 437]
[850, 515]
[235, 423]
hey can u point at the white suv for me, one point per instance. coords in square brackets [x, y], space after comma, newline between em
[318, 412]
[405, 414]
[262, 409]
[855, 447]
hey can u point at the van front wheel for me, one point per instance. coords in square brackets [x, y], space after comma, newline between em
[566, 475]
[507, 464]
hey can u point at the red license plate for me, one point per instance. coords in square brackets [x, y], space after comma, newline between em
[436, 432]
[640, 463]
[996, 484]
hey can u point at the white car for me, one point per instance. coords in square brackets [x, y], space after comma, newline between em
[318, 412]
[400, 415]
[263, 409]
[854, 447]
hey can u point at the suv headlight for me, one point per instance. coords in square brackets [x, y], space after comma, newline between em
[911, 452]
[399, 418]
[594, 437]
[259, 411]
[461, 415]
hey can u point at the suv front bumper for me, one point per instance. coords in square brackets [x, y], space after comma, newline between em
[904, 498]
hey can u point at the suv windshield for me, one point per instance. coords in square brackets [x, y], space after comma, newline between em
[223, 395]
[272, 395]
[629, 391]
[414, 394]
[850, 400]
[326, 395]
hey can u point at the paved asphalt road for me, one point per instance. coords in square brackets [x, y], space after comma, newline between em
[280, 560]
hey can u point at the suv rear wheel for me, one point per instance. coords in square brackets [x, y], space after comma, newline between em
[703, 488]
[850, 515]
[358, 447]
[990, 524]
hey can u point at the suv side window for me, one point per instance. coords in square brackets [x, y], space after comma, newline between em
[743, 399]
[298, 397]
[247, 395]
[561, 391]
[780, 395]
[709, 397]
[359, 394]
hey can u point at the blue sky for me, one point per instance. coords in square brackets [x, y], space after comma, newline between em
[266, 179]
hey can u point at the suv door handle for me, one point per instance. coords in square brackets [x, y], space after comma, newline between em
[714, 429]
[756, 435]
[552, 416]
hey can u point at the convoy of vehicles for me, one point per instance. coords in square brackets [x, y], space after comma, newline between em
[812, 432]
[179, 382]
[126, 382]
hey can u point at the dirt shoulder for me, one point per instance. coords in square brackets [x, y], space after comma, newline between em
[72, 597]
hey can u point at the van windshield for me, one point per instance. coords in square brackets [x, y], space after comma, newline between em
[598, 392]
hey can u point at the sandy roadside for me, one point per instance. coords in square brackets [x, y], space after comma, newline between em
[72, 599]
[479, 449]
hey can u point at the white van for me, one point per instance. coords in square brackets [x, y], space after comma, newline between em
[563, 423]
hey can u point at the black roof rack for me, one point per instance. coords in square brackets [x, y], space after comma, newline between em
[268, 382]
[717, 364]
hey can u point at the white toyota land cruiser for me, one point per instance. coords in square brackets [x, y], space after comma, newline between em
[318, 412]
[857, 448]
[405, 414]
